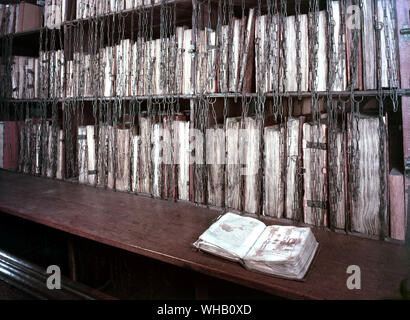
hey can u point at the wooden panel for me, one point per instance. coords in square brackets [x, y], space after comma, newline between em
[397, 210]
[402, 11]
[10, 143]
[145, 226]
[31, 279]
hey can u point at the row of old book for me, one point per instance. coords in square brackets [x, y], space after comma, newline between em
[25, 16]
[31, 78]
[306, 44]
[91, 8]
[19, 17]
[299, 166]
[24, 80]
[164, 66]
[55, 13]
[32, 146]
[130, 68]
[231, 170]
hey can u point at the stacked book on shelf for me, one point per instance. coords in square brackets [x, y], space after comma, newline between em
[296, 168]
[132, 68]
[91, 8]
[55, 13]
[246, 55]
[25, 77]
[32, 146]
[19, 17]
[154, 157]
[20, 79]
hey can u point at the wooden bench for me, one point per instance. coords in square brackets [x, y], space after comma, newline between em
[32, 280]
[165, 230]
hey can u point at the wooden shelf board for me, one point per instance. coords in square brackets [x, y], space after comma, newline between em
[165, 230]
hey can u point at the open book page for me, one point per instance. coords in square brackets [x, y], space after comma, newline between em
[231, 236]
[282, 250]
[279, 243]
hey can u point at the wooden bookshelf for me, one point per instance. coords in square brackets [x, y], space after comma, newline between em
[117, 218]
[147, 227]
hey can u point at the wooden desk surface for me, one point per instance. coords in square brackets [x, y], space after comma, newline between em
[165, 230]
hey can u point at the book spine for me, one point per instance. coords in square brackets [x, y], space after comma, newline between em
[397, 207]
[337, 185]
[179, 74]
[122, 179]
[135, 177]
[248, 57]
[315, 175]
[368, 46]
[211, 63]
[156, 141]
[233, 176]
[82, 155]
[215, 159]
[292, 164]
[37, 133]
[291, 62]
[187, 62]
[365, 204]
[234, 55]
[274, 171]
[145, 155]
[181, 145]
[60, 174]
[251, 151]
[49, 159]
[201, 62]
[223, 59]
[110, 157]
[322, 68]
[10, 145]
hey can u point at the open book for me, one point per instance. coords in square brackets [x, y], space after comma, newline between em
[284, 251]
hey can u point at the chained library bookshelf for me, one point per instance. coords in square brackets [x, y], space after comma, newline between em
[133, 122]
